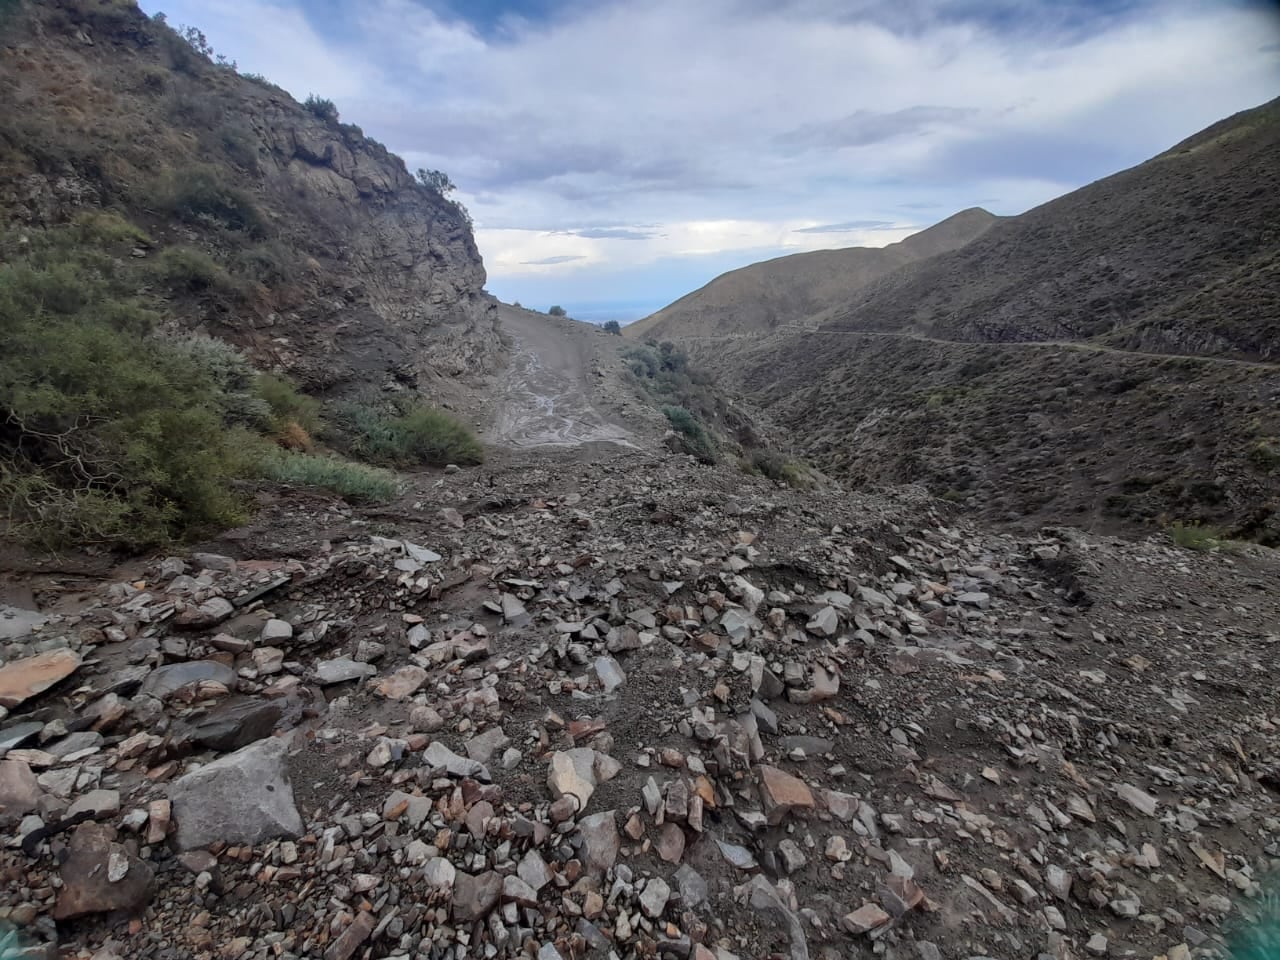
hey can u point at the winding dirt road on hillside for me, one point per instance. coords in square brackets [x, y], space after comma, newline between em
[546, 400]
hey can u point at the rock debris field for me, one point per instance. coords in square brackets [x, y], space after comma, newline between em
[635, 707]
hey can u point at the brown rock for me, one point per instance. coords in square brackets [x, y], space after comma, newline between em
[475, 896]
[19, 789]
[23, 679]
[670, 843]
[349, 940]
[100, 875]
[401, 684]
[158, 817]
[865, 919]
[781, 793]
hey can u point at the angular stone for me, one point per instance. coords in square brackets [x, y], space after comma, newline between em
[483, 746]
[243, 797]
[164, 682]
[737, 856]
[401, 684]
[475, 896]
[20, 680]
[342, 670]
[350, 940]
[101, 876]
[276, 631]
[781, 793]
[234, 723]
[98, 802]
[670, 845]
[566, 775]
[824, 623]
[653, 899]
[609, 673]
[438, 755]
[439, 874]
[533, 870]
[691, 887]
[600, 841]
[1140, 800]
[268, 661]
[19, 790]
[865, 919]
[514, 889]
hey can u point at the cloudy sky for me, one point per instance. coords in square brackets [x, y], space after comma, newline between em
[616, 154]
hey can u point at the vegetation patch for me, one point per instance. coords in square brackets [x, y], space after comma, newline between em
[353, 481]
[406, 435]
[1194, 536]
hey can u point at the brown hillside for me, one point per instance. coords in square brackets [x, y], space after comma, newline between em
[791, 289]
[1132, 377]
[344, 270]
[1180, 254]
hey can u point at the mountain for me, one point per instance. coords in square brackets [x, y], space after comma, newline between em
[791, 289]
[1108, 357]
[344, 270]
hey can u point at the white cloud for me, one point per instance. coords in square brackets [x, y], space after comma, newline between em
[726, 126]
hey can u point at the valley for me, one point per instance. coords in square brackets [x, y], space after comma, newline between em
[918, 602]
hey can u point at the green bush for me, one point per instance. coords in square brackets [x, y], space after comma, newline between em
[354, 481]
[106, 433]
[612, 326]
[321, 109]
[198, 196]
[287, 404]
[696, 439]
[557, 311]
[186, 270]
[1194, 536]
[271, 263]
[414, 435]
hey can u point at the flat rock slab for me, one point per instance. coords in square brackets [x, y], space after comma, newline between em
[100, 875]
[244, 797]
[164, 682]
[19, 790]
[23, 679]
[234, 723]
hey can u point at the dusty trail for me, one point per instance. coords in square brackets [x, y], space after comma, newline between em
[545, 401]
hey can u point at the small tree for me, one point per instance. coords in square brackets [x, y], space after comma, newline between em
[612, 326]
[437, 181]
[321, 108]
[557, 311]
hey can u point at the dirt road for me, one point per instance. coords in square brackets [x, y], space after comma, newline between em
[546, 398]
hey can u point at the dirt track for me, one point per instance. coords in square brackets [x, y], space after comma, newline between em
[545, 400]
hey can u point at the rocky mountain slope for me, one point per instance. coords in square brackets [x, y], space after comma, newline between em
[790, 290]
[1108, 357]
[329, 260]
[632, 706]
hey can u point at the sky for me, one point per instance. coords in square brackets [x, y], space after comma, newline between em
[616, 154]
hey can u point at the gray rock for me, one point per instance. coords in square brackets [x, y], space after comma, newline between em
[18, 734]
[1140, 800]
[653, 900]
[609, 672]
[737, 856]
[243, 797]
[234, 723]
[19, 790]
[439, 874]
[275, 631]
[342, 670]
[600, 841]
[482, 746]
[474, 897]
[763, 898]
[690, 886]
[824, 623]
[438, 755]
[163, 682]
[74, 743]
[533, 870]
[97, 802]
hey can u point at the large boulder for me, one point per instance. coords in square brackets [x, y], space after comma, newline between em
[244, 797]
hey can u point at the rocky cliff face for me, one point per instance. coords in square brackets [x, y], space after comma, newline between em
[347, 272]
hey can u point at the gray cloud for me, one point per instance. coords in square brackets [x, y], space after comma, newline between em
[862, 128]
[611, 233]
[550, 261]
[849, 226]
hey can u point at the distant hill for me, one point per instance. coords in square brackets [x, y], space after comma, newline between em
[789, 290]
[1180, 254]
[1108, 357]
